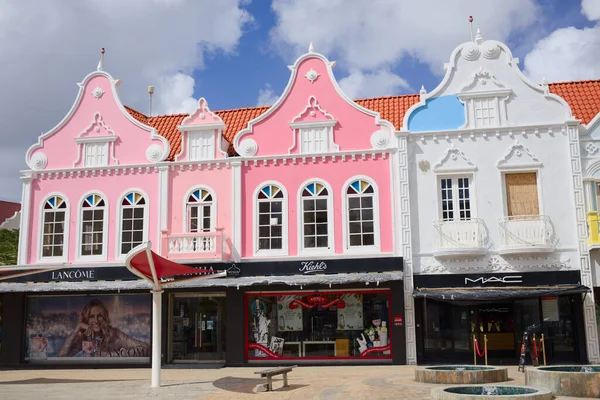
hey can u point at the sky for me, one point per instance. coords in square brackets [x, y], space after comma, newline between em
[235, 52]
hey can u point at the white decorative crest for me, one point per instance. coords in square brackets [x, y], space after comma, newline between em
[591, 148]
[380, 139]
[154, 153]
[38, 161]
[312, 75]
[96, 124]
[454, 160]
[518, 156]
[313, 106]
[248, 147]
[480, 80]
[97, 92]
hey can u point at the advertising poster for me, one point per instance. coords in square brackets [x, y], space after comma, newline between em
[350, 318]
[114, 327]
[288, 319]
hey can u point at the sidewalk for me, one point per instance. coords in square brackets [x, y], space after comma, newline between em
[324, 383]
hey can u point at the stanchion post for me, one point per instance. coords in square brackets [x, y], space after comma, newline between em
[485, 348]
[474, 350]
[534, 359]
[543, 343]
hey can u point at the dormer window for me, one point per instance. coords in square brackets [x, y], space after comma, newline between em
[486, 112]
[201, 145]
[314, 140]
[95, 154]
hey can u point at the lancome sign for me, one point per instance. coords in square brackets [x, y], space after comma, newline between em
[74, 275]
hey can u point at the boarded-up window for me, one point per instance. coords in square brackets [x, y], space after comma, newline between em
[522, 194]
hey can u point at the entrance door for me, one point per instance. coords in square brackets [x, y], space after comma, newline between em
[198, 328]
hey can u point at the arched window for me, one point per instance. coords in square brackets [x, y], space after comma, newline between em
[361, 219]
[200, 211]
[270, 218]
[54, 217]
[133, 214]
[315, 219]
[93, 214]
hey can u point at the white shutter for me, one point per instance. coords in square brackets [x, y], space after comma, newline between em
[95, 154]
[314, 140]
[201, 146]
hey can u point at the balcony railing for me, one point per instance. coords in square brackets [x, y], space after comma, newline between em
[197, 245]
[455, 238]
[526, 234]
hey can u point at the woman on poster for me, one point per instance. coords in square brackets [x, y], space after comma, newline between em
[96, 337]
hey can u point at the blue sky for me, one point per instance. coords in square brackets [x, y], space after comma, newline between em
[234, 80]
[235, 53]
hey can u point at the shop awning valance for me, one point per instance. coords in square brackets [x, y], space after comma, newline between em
[496, 293]
[17, 271]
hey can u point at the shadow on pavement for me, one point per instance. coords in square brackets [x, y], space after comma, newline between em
[245, 385]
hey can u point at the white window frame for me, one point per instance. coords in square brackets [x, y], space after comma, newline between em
[284, 222]
[455, 199]
[98, 155]
[376, 247]
[496, 97]
[206, 146]
[213, 209]
[300, 128]
[538, 176]
[488, 106]
[330, 249]
[95, 142]
[78, 243]
[66, 237]
[146, 207]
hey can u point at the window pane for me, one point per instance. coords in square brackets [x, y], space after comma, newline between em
[137, 237]
[354, 202]
[367, 215]
[309, 217]
[322, 241]
[368, 240]
[98, 226]
[322, 229]
[264, 244]
[321, 204]
[138, 212]
[125, 248]
[309, 242]
[87, 215]
[276, 244]
[309, 229]
[355, 227]
[367, 227]
[366, 202]
[138, 225]
[126, 237]
[263, 232]
[263, 207]
[355, 240]
[59, 216]
[127, 213]
[354, 215]
[309, 205]
[276, 231]
[276, 206]
[206, 211]
[321, 216]
[98, 214]
[264, 219]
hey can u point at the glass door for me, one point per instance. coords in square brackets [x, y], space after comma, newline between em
[197, 327]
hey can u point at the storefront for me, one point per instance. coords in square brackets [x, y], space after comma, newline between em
[331, 311]
[451, 309]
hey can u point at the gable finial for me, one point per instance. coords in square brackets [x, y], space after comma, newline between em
[311, 49]
[478, 37]
[471, 26]
[101, 62]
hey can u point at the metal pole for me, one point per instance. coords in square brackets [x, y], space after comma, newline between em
[474, 350]
[156, 336]
[543, 342]
[485, 348]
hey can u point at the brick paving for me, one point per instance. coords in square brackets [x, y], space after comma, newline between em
[323, 383]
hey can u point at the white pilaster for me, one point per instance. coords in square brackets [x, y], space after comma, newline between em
[236, 212]
[589, 307]
[163, 204]
[24, 238]
[406, 243]
[589, 195]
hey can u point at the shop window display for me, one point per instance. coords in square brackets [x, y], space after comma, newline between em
[316, 325]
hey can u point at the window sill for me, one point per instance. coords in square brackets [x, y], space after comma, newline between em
[269, 253]
[51, 260]
[362, 250]
[91, 258]
[316, 251]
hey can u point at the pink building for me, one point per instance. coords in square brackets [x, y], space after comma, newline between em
[298, 204]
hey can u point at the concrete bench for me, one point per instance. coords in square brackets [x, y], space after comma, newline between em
[269, 373]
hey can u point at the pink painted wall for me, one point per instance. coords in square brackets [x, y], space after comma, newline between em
[216, 180]
[130, 147]
[274, 135]
[74, 188]
[291, 176]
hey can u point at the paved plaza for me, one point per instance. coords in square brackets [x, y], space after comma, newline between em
[325, 383]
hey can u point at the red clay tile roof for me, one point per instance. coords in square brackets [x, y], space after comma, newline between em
[582, 96]
[8, 209]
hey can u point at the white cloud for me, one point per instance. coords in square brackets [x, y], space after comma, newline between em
[360, 84]
[47, 47]
[266, 96]
[591, 9]
[568, 53]
[369, 35]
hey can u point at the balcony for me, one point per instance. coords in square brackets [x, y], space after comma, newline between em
[198, 246]
[524, 234]
[459, 238]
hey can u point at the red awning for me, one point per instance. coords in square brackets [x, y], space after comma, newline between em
[146, 264]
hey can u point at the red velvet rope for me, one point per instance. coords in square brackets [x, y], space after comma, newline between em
[480, 354]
